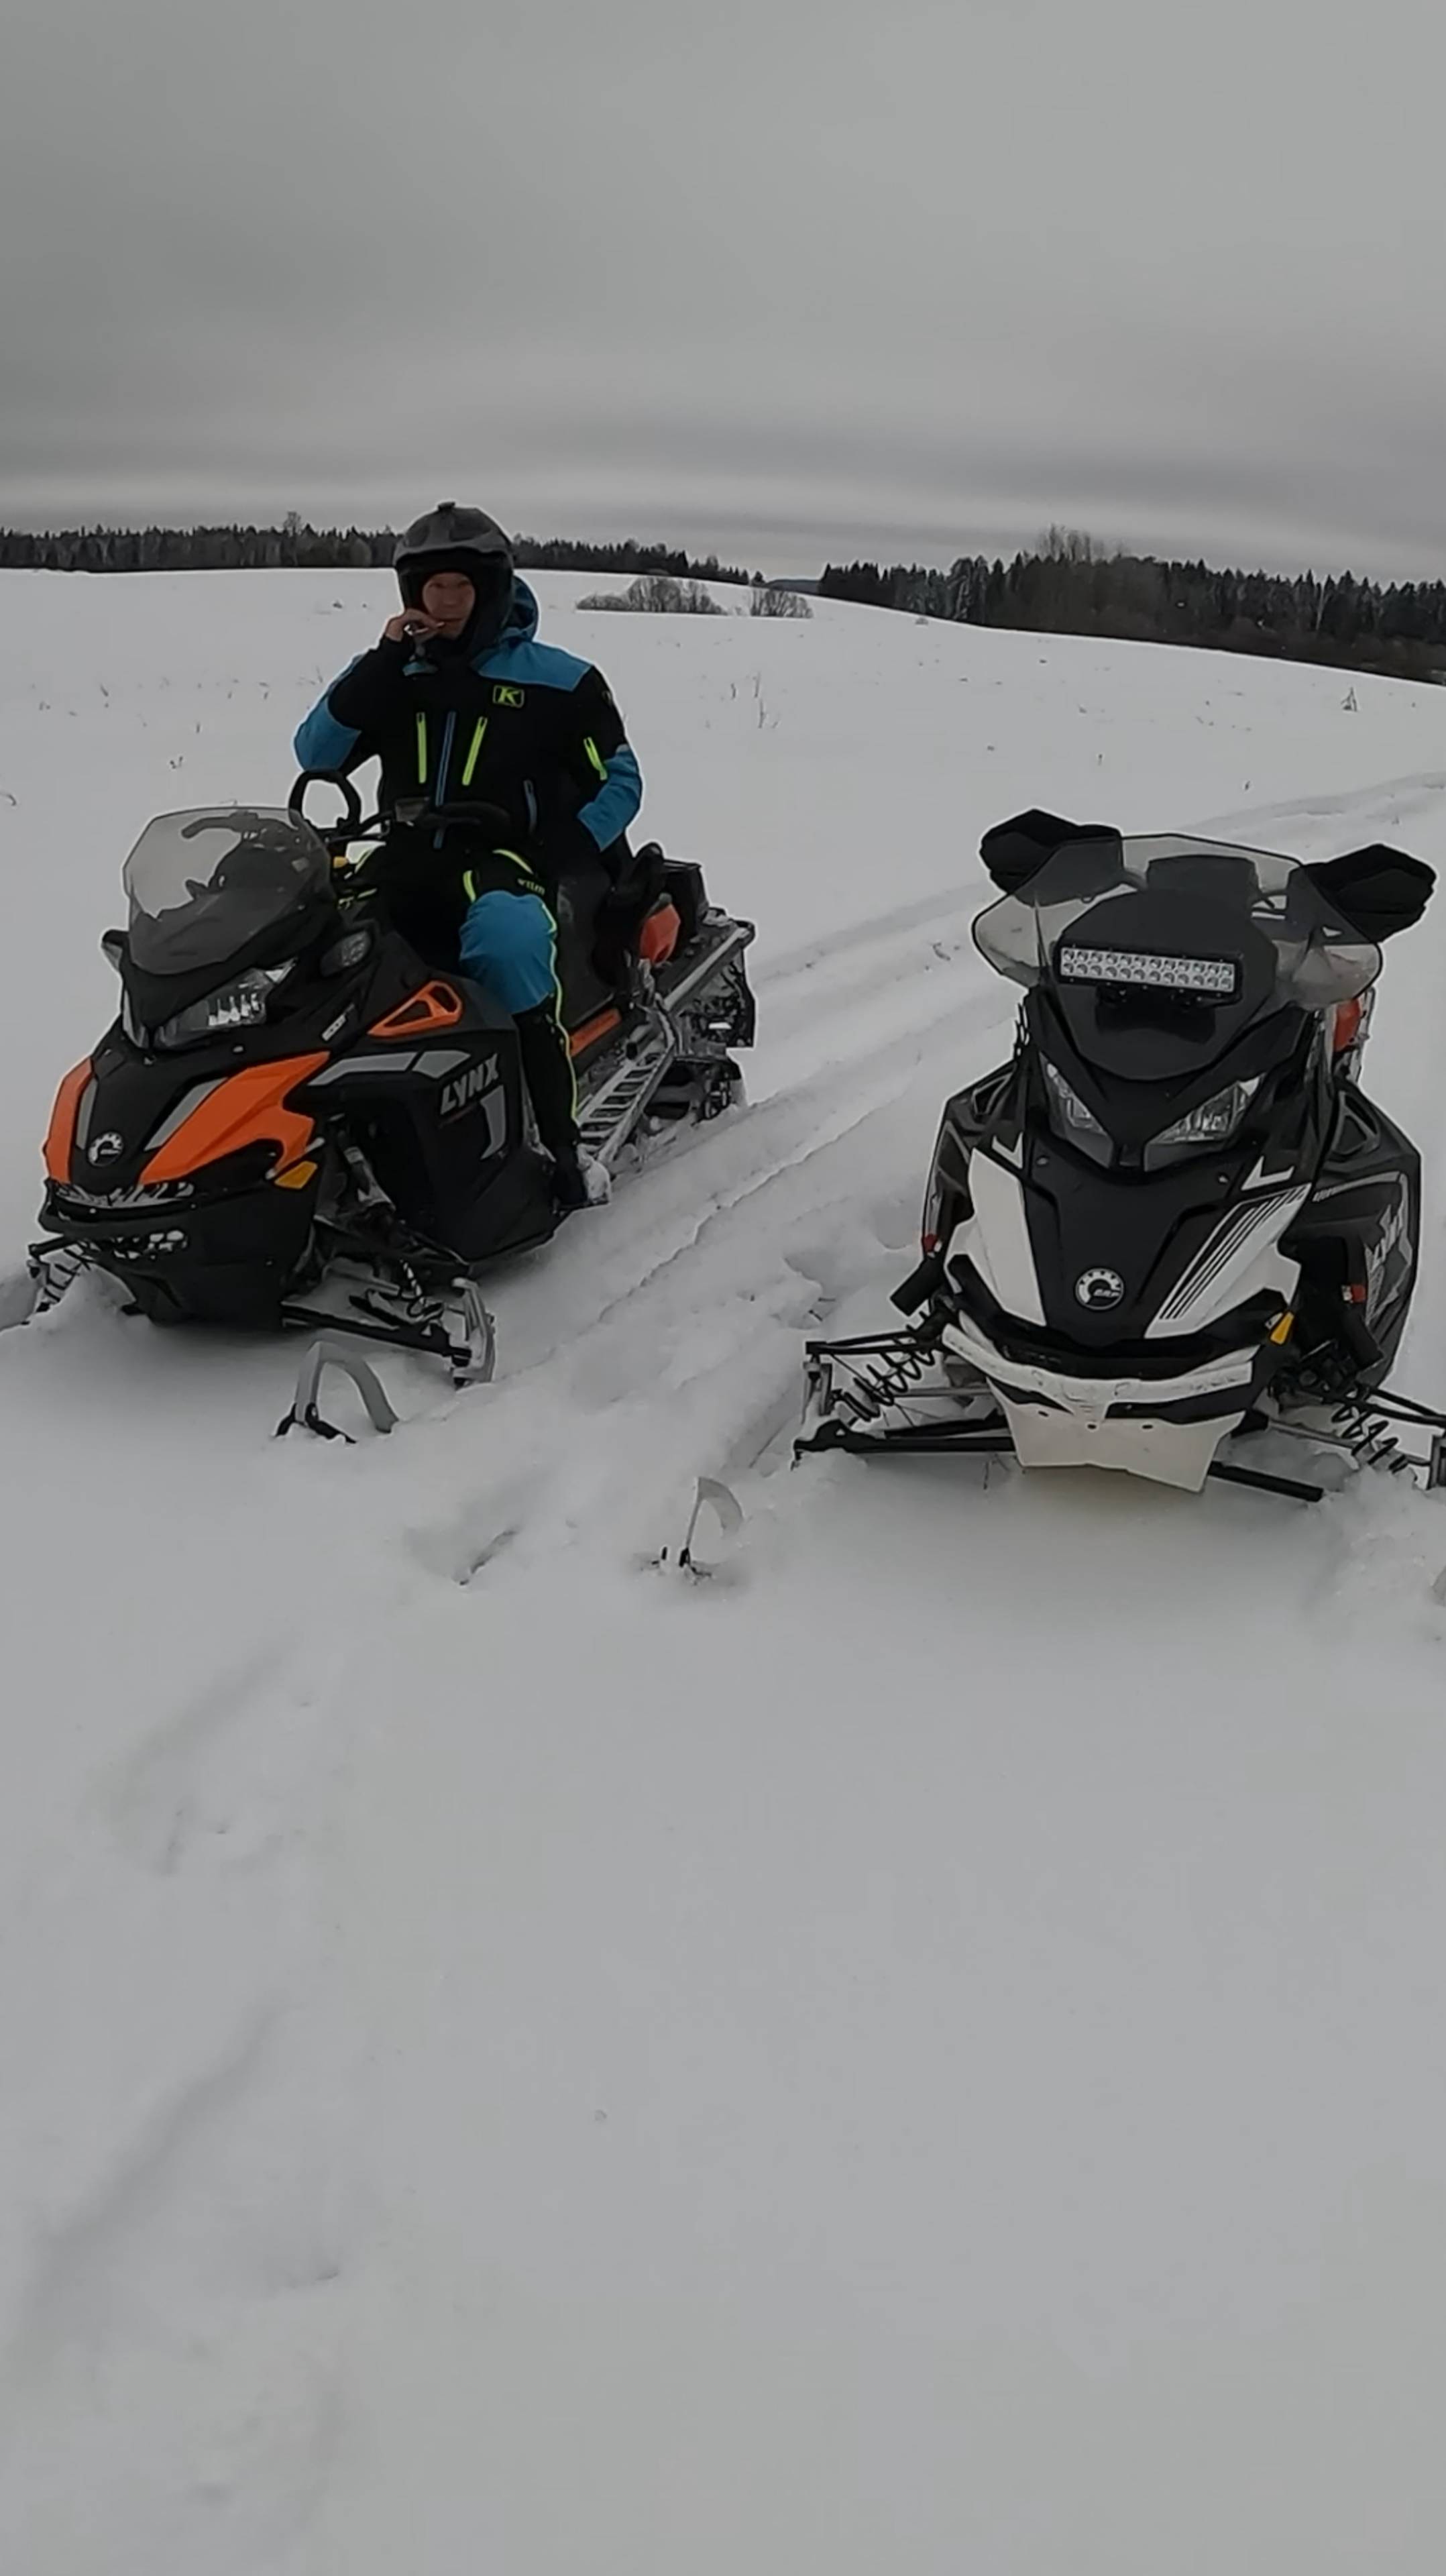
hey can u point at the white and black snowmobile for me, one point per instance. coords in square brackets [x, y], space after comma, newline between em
[1173, 1220]
[292, 1097]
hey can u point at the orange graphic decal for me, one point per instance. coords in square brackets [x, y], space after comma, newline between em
[435, 1006]
[597, 1027]
[60, 1135]
[1348, 1018]
[249, 1108]
[660, 934]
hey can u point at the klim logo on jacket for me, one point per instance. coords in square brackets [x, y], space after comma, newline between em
[502, 696]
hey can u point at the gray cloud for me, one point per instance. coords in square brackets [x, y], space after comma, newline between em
[794, 277]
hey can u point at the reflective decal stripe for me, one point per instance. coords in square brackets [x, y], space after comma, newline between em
[469, 880]
[439, 793]
[478, 738]
[557, 1010]
[421, 747]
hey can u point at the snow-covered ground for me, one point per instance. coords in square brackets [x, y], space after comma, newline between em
[923, 2054]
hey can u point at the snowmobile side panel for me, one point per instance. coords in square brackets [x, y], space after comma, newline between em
[1243, 1259]
[250, 1107]
[996, 1238]
[60, 1135]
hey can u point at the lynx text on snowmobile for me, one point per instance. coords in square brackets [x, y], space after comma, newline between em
[291, 1094]
[1173, 1219]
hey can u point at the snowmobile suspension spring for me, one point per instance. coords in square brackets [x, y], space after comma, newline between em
[874, 1390]
[1370, 1440]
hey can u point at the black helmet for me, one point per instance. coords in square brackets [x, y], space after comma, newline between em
[452, 538]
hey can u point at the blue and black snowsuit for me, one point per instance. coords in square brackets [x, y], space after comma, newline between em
[519, 726]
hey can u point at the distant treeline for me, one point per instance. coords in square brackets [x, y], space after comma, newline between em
[236, 549]
[1068, 585]
[1072, 586]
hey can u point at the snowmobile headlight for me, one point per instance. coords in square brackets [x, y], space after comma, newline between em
[1216, 1119]
[1078, 1120]
[1215, 979]
[241, 1005]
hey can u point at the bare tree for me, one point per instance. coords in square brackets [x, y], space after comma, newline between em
[658, 594]
[1069, 546]
[770, 602]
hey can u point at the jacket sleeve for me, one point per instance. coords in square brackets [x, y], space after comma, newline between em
[605, 763]
[337, 733]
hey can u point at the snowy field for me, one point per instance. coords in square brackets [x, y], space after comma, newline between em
[922, 2057]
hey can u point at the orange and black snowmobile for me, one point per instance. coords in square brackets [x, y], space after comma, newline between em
[291, 1096]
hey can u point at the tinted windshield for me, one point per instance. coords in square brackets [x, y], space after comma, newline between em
[203, 885]
[1256, 928]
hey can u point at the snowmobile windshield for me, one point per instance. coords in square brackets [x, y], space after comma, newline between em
[204, 885]
[1179, 922]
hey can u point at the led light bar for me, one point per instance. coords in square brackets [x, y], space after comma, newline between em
[1217, 976]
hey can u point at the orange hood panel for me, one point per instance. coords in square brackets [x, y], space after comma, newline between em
[248, 1108]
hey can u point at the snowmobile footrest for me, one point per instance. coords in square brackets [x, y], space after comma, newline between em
[1286, 1486]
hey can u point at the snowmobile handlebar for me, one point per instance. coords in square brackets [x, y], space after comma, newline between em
[351, 819]
[415, 814]
[491, 820]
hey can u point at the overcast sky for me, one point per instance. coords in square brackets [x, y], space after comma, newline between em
[788, 278]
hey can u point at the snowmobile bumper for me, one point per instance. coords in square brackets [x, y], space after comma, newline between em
[222, 1258]
[1166, 1429]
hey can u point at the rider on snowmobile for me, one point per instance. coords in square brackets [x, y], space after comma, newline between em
[465, 710]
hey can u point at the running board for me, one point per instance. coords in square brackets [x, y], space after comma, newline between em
[608, 1115]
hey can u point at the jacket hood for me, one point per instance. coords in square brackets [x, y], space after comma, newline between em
[520, 624]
